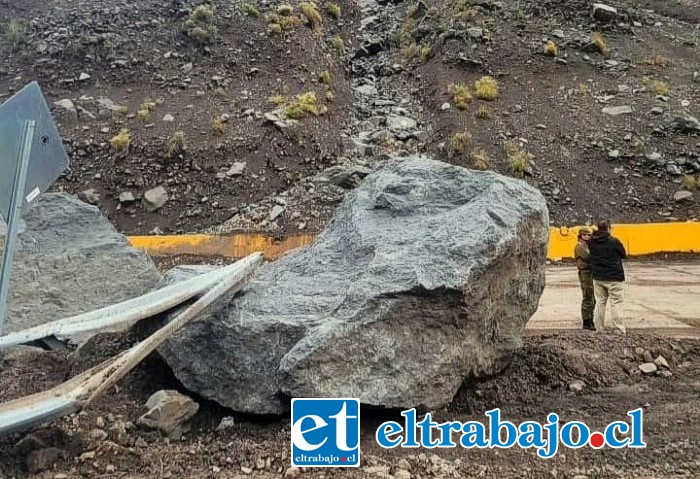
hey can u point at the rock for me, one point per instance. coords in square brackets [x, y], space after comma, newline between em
[367, 90]
[685, 103]
[402, 127]
[168, 412]
[662, 363]
[577, 386]
[403, 318]
[168, 118]
[347, 176]
[44, 459]
[654, 157]
[276, 211]
[237, 169]
[292, 472]
[648, 358]
[126, 197]
[279, 120]
[657, 110]
[614, 154]
[84, 77]
[68, 106]
[75, 257]
[90, 196]
[648, 368]
[445, 106]
[683, 196]
[604, 13]
[665, 374]
[156, 198]
[618, 110]
[226, 424]
[97, 435]
[684, 124]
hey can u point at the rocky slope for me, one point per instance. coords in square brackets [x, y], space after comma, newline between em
[585, 106]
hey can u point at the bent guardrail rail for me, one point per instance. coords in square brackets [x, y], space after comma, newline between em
[123, 313]
[78, 392]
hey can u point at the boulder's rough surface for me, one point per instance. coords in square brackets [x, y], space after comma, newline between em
[70, 260]
[426, 276]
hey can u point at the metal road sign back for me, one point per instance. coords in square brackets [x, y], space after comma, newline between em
[48, 157]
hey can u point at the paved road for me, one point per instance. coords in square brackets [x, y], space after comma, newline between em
[660, 296]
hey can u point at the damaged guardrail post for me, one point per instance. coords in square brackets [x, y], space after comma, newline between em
[78, 392]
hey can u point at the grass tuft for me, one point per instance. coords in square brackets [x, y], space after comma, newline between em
[15, 33]
[460, 142]
[311, 13]
[486, 88]
[176, 143]
[690, 182]
[461, 95]
[600, 43]
[121, 140]
[484, 113]
[518, 159]
[334, 10]
[218, 125]
[551, 49]
[660, 88]
[481, 160]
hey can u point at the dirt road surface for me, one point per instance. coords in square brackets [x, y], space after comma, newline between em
[580, 375]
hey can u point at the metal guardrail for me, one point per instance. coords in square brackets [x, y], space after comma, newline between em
[75, 394]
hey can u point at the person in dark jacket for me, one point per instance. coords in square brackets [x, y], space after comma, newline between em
[607, 253]
[585, 276]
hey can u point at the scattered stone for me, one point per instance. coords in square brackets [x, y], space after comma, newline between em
[90, 196]
[156, 198]
[648, 358]
[367, 90]
[276, 211]
[246, 470]
[226, 424]
[84, 77]
[68, 106]
[97, 435]
[402, 474]
[648, 368]
[604, 13]
[402, 127]
[618, 110]
[541, 127]
[518, 109]
[445, 106]
[303, 303]
[662, 363]
[577, 386]
[279, 120]
[126, 197]
[683, 196]
[657, 110]
[684, 124]
[665, 374]
[558, 33]
[168, 118]
[614, 153]
[237, 169]
[685, 103]
[654, 157]
[292, 473]
[168, 412]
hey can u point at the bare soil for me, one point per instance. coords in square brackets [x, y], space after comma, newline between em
[538, 381]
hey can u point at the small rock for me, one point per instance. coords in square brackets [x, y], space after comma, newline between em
[402, 474]
[97, 435]
[577, 386]
[657, 110]
[682, 196]
[68, 106]
[618, 110]
[648, 358]
[665, 374]
[654, 157]
[168, 118]
[639, 351]
[366, 90]
[126, 197]
[648, 368]
[558, 34]
[292, 473]
[518, 109]
[685, 103]
[445, 106]
[90, 196]
[84, 77]
[226, 424]
[155, 198]
[246, 470]
[542, 127]
[215, 469]
[168, 412]
[237, 168]
[614, 153]
[604, 13]
[276, 211]
[662, 363]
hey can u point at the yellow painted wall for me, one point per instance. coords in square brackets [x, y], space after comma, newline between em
[639, 239]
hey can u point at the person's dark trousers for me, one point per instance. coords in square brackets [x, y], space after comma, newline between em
[585, 277]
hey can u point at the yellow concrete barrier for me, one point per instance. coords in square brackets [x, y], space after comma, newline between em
[639, 239]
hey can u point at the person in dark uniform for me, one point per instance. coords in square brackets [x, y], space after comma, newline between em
[585, 277]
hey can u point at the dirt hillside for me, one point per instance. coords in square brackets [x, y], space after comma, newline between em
[232, 113]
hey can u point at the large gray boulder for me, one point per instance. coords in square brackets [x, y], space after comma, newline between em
[71, 260]
[425, 277]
